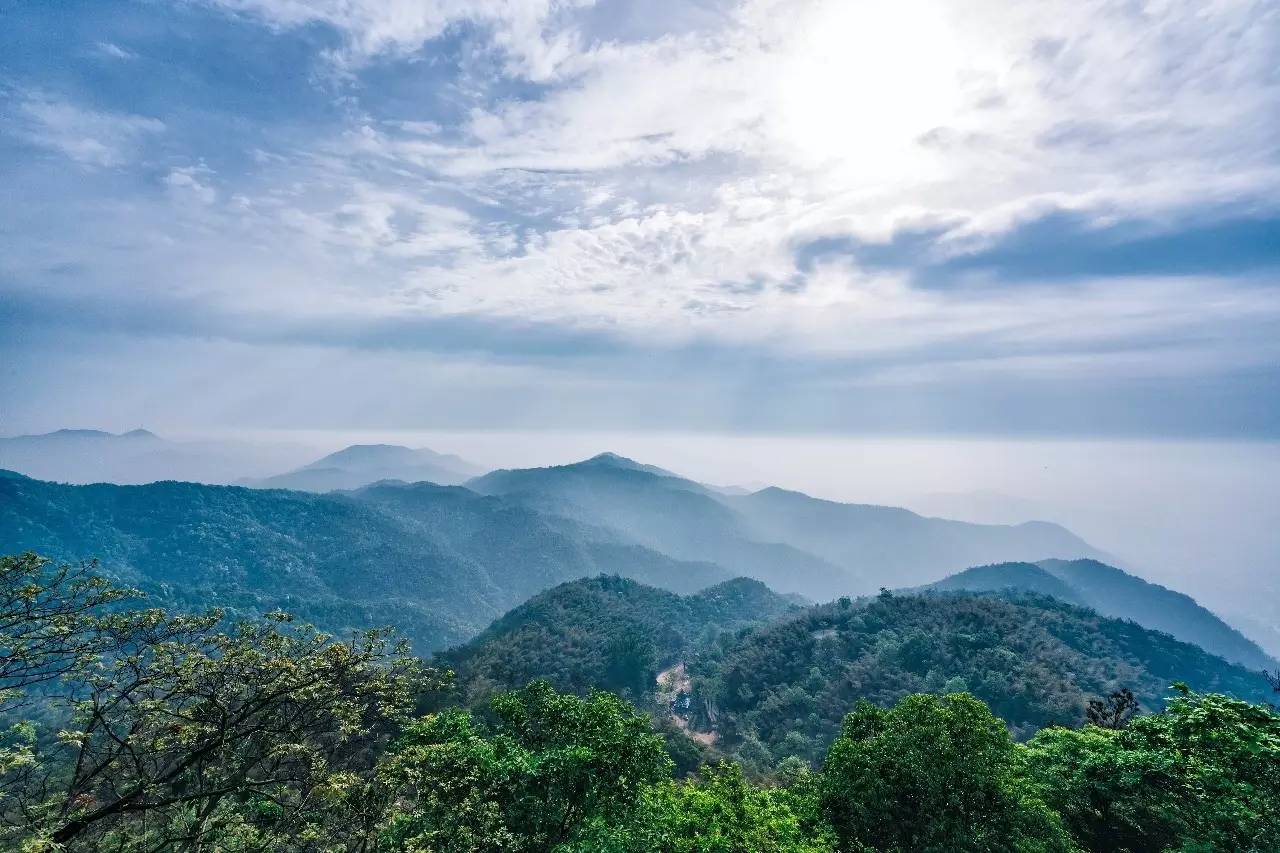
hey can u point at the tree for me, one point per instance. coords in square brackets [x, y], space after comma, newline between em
[52, 620]
[1113, 712]
[719, 813]
[549, 764]
[1204, 774]
[190, 734]
[932, 774]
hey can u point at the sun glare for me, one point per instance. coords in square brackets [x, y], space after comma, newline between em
[863, 81]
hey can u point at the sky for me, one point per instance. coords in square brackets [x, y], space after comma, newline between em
[1049, 220]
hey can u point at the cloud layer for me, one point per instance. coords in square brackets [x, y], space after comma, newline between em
[870, 200]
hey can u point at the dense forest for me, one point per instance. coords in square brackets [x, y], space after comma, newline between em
[442, 562]
[769, 680]
[1113, 592]
[135, 730]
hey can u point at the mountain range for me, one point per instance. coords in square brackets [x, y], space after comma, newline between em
[793, 542]
[443, 561]
[363, 464]
[767, 678]
[1113, 592]
[140, 456]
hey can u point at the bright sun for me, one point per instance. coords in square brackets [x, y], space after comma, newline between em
[863, 81]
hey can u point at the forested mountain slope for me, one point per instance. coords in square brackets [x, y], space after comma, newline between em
[436, 562]
[606, 632]
[669, 514]
[782, 690]
[792, 542]
[1113, 592]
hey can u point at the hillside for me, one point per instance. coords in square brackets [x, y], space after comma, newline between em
[669, 514]
[895, 547]
[782, 690]
[363, 464]
[791, 541]
[606, 632]
[1113, 592]
[439, 563]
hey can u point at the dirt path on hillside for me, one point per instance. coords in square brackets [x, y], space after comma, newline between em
[671, 683]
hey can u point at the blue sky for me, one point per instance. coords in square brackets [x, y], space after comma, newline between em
[1057, 218]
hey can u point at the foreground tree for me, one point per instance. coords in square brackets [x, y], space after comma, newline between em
[164, 733]
[549, 765]
[720, 812]
[932, 774]
[1204, 774]
[53, 619]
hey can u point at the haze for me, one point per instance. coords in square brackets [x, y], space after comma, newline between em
[754, 241]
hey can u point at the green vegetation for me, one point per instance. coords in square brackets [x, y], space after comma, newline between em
[606, 632]
[783, 690]
[1112, 592]
[133, 730]
[438, 562]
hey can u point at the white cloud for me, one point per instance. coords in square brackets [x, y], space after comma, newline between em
[657, 188]
[89, 137]
[520, 28]
[191, 184]
[111, 50]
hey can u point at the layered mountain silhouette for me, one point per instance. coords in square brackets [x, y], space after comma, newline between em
[793, 542]
[1113, 592]
[363, 464]
[137, 456]
[443, 561]
[437, 562]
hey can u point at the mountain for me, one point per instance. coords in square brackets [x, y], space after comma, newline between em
[1113, 592]
[439, 563]
[783, 690]
[896, 547]
[789, 540]
[605, 632]
[669, 514]
[137, 456]
[1001, 577]
[362, 464]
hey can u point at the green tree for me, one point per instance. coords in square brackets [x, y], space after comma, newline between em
[549, 764]
[254, 738]
[1204, 774]
[718, 813]
[53, 619]
[932, 774]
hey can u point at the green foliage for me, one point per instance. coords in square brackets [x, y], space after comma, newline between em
[1203, 775]
[549, 765]
[440, 563]
[202, 735]
[52, 621]
[932, 774]
[134, 730]
[1034, 660]
[153, 732]
[1113, 592]
[605, 632]
[719, 813]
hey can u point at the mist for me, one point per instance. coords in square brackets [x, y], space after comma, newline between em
[1199, 516]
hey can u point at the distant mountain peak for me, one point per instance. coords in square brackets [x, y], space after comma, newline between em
[139, 433]
[75, 433]
[617, 460]
[363, 464]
